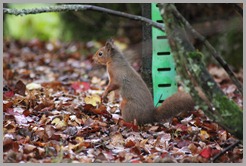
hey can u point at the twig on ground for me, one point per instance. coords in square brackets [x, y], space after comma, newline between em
[225, 150]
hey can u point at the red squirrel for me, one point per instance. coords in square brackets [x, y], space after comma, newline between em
[137, 103]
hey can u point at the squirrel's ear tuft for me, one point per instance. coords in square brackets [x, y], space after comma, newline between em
[109, 44]
[110, 40]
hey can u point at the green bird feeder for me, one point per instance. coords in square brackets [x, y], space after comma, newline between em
[163, 65]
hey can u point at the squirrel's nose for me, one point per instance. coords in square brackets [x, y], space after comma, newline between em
[93, 57]
[94, 60]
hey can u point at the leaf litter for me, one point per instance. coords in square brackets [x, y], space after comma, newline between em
[52, 112]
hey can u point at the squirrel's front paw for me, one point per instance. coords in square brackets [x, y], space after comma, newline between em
[104, 98]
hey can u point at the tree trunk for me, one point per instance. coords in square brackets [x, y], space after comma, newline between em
[193, 72]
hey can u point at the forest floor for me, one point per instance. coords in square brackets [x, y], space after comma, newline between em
[52, 112]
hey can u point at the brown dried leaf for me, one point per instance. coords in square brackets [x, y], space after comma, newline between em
[71, 131]
[42, 135]
[117, 140]
[49, 130]
[153, 128]
[129, 144]
[223, 135]
[7, 105]
[8, 74]
[20, 88]
[29, 148]
[100, 158]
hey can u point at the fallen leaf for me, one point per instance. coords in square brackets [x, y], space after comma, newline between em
[49, 129]
[117, 140]
[204, 135]
[128, 125]
[80, 86]
[20, 88]
[7, 105]
[129, 144]
[187, 120]
[17, 113]
[41, 151]
[222, 135]
[8, 94]
[206, 152]
[33, 86]
[100, 158]
[193, 148]
[58, 123]
[71, 131]
[95, 80]
[153, 128]
[183, 143]
[93, 100]
[29, 148]
[53, 84]
[181, 127]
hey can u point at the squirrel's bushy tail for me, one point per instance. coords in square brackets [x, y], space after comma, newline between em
[173, 105]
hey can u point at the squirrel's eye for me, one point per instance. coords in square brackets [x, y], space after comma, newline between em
[100, 53]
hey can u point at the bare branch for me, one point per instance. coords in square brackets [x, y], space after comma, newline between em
[65, 8]
[238, 8]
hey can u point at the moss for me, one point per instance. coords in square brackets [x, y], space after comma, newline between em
[230, 113]
[195, 55]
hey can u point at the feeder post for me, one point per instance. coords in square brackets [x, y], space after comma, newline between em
[156, 49]
[146, 68]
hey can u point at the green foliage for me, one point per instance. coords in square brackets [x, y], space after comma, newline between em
[230, 47]
[66, 26]
[44, 26]
[233, 49]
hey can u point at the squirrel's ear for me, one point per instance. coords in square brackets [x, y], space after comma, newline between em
[109, 44]
[110, 40]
